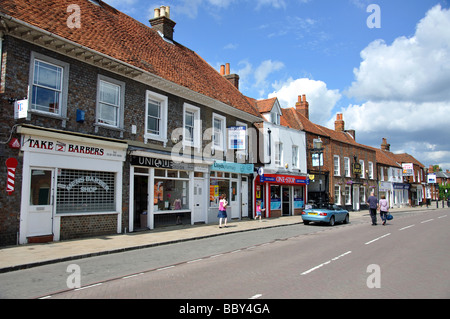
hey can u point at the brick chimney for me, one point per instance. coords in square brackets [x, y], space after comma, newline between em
[233, 78]
[302, 106]
[385, 146]
[161, 22]
[339, 124]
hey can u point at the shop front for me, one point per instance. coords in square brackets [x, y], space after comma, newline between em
[166, 192]
[72, 186]
[401, 194]
[231, 179]
[280, 195]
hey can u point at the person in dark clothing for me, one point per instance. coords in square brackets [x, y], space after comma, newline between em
[373, 206]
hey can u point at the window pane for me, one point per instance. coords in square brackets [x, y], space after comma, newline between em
[154, 108]
[108, 114]
[153, 125]
[189, 119]
[171, 194]
[109, 93]
[47, 75]
[45, 100]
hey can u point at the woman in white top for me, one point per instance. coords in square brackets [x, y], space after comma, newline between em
[384, 208]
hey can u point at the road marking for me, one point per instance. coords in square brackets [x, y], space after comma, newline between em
[194, 261]
[256, 296]
[442, 216]
[325, 263]
[46, 297]
[407, 227]
[215, 256]
[132, 276]
[87, 287]
[426, 221]
[369, 242]
[165, 268]
[236, 251]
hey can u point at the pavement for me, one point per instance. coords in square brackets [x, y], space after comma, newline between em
[14, 258]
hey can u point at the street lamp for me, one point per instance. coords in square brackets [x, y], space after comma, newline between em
[318, 149]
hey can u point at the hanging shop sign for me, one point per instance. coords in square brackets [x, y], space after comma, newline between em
[237, 137]
[408, 169]
[11, 165]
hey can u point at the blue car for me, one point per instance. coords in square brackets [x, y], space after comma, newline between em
[328, 213]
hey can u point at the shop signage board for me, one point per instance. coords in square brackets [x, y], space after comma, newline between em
[69, 148]
[284, 179]
[161, 163]
[232, 167]
[408, 169]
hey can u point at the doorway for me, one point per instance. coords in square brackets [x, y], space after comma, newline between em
[140, 202]
[244, 197]
[286, 206]
[199, 193]
[40, 213]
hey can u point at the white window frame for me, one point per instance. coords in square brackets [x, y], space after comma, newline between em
[164, 102]
[363, 169]
[279, 154]
[347, 167]
[197, 128]
[121, 106]
[275, 118]
[338, 171]
[348, 195]
[62, 112]
[244, 152]
[337, 195]
[223, 138]
[295, 156]
[371, 170]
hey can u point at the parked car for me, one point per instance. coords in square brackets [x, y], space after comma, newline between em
[326, 213]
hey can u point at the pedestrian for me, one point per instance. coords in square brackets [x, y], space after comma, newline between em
[259, 210]
[223, 210]
[373, 207]
[384, 209]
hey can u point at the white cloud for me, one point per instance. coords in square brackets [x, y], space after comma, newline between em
[406, 89]
[410, 69]
[320, 98]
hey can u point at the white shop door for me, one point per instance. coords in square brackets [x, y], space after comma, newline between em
[40, 212]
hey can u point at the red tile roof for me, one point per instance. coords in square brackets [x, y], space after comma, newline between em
[111, 32]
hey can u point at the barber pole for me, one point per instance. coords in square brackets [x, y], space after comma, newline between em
[11, 164]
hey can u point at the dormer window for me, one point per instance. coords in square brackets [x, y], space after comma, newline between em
[275, 118]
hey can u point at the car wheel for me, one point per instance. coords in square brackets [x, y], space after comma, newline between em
[347, 219]
[331, 222]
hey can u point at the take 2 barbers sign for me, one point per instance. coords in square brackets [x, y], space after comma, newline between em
[69, 148]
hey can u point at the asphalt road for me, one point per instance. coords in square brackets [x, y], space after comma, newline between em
[408, 258]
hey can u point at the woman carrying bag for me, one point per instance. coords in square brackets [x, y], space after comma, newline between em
[384, 209]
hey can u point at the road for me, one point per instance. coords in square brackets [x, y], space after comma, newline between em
[408, 258]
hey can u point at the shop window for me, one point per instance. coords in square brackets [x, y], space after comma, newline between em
[217, 187]
[298, 197]
[85, 192]
[171, 194]
[275, 197]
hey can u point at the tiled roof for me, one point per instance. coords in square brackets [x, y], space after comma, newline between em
[265, 106]
[113, 33]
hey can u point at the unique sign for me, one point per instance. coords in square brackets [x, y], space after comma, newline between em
[160, 163]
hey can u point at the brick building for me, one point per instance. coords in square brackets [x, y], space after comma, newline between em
[343, 171]
[125, 127]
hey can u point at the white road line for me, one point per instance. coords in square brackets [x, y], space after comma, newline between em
[87, 287]
[369, 242]
[325, 263]
[442, 216]
[256, 296]
[215, 256]
[407, 227]
[165, 268]
[132, 276]
[46, 297]
[426, 221]
[194, 261]
[236, 251]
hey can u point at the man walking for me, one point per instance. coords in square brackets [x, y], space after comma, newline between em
[373, 206]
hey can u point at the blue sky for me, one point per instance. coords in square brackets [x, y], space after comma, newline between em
[391, 82]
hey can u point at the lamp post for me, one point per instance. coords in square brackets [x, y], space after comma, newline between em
[318, 149]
